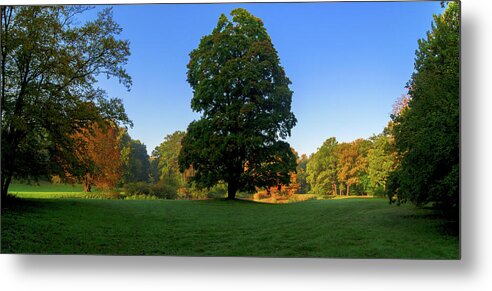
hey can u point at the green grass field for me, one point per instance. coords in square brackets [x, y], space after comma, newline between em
[345, 228]
[45, 189]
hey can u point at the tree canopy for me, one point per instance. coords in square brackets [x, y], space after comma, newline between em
[322, 168]
[243, 94]
[98, 157]
[135, 160]
[426, 133]
[49, 67]
[165, 157]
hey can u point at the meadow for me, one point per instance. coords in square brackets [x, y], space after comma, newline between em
[341, 228]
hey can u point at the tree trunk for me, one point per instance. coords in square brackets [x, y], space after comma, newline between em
[87, 187]
[231, 190]
[87, 184]
[5, 185]
[348, 190]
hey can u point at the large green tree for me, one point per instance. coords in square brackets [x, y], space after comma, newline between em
[427, 132]
[243, 94]
[49, 67]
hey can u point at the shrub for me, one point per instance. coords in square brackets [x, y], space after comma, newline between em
[138, 188]
[197, 193]
[261, 195]
[112, 194]
[163, 191]
[218, 191]
[379, 192]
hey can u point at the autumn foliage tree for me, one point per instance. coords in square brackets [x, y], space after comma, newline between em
[98, 161]
[349, 165]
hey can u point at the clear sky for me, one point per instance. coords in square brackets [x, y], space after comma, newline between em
[348, 63]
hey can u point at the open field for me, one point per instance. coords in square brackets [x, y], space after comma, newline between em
[346, 228]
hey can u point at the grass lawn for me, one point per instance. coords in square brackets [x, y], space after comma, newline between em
[45, 189]
[345, 228]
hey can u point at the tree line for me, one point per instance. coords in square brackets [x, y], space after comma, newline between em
[360, 167]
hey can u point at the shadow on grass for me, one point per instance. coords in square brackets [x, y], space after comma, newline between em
[14, 202]
[446, 225]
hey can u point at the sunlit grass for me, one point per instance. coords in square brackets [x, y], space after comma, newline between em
[45, 189]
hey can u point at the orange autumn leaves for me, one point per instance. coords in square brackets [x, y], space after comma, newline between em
[350, 162]
[98, 156]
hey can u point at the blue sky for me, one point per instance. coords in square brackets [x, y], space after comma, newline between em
[348, 63]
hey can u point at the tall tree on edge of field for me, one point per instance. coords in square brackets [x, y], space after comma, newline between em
[427, 132]
[49, 68]
[243, 94]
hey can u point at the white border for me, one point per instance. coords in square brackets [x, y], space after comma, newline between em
[473, 272]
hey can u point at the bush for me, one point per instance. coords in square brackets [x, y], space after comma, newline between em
[138, 188]
[261, 195]
[218, 191]
[198, 193]
[112, 194]
[379, 192]
[163, 191]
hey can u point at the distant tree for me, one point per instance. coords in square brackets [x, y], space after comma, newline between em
[364, 184]
[166, 157]
[427, 133]
[49, 67]
[136, 165]
[153, 170]
[243, 94]
[381, 161]
[321, 170]
[347, 156]
[98, 157]
[301, 171]
[352, 163]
